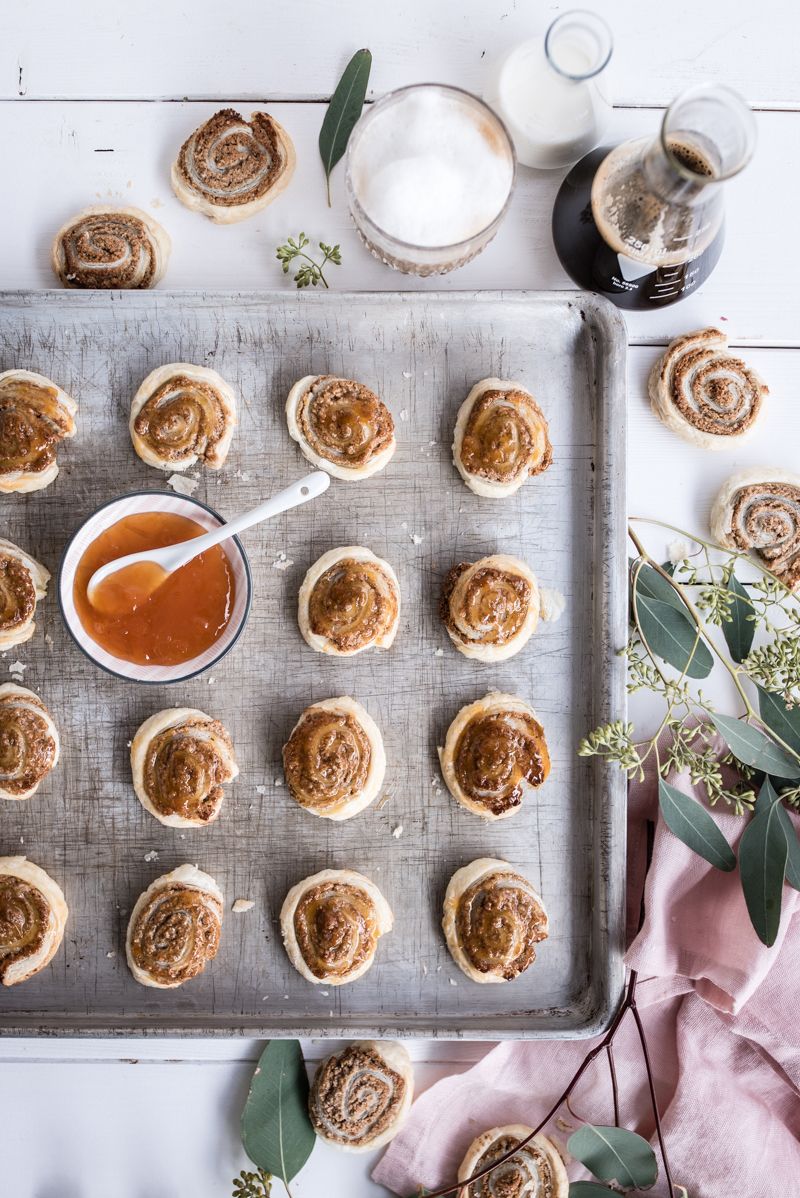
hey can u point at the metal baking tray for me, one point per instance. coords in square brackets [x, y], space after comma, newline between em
[421, 352]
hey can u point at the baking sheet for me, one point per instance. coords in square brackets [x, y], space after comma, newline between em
[421, 352]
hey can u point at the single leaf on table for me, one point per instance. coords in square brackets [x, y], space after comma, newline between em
[754, 747]
[276, 1130]
[763, 852]
[589, 1189]
[740, 629]
[651, 585]
[343, 111]
[782, 720]
[766, 796]
[671, 633]
[615, 1154]
[690, 822]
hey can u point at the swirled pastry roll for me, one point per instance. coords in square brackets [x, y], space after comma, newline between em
[703, 393]
[181, 760]
[183, 414]
[231, 168]
[35, 415]
[29, 742]
[175, 928]
[536, 1171]
[349, 601]
[491, 607]
[334, 760]
[33, 912]
[501, 438]
[111, 247]
[758, 510]
[331, 924]
[361, 1096]
[340, 425]
[493, 920]
[23, 582]
[494, 752]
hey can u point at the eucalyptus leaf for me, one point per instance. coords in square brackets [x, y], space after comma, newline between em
[589, 1189]
[276, 1130]
[671, 634]
[651, 585]
[766, 797]
[763, 852]
[690, 822]
[740, 629]
[754, 747]
[784, 721]
[615, 1154]
[343, 111]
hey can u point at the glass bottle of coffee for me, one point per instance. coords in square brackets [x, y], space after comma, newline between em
[643, 223]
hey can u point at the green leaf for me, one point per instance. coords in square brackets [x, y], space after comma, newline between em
[739, 630]
[615, 1154]
[754, 747]
[671, 633]
[690, 822]
[589, 1189]
[276, 1130]
[763, 851]
[782, 720]
[343, 112]
[651, 585]
[766, 797]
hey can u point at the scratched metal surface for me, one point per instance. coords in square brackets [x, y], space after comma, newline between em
[421, 352]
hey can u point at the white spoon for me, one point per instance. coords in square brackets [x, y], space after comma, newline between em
[146, 571]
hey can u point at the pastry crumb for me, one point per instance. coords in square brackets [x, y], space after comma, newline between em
[424, 970]
[211, 680]
[453, 982]
[278, 782]
[242, 905]
[282, 562]
[406, 374]
[111, 955]
[438, 653]
[403, 414]
[48, 640]
[183, 484]
[151, 856]
[261, 790]
[552, 604]
[397, 832]
[416, 539]
[678, 551]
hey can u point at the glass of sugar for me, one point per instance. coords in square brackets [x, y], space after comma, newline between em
[430, 172]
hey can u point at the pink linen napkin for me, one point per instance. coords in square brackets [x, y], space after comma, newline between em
[722, 1026]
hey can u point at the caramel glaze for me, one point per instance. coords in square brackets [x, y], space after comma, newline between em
[326, 759]
[27, 749]
[505, 435]
[17, 592]
[182, 416]
[177, 933]
[355, 1096]
[336, 929]
[344, 422]
[24, 916]
[496, 754]
[32, 422]
[184, 772]
[499, 923]
[494, 604]
[352, 604]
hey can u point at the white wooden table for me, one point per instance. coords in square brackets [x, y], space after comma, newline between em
[95, 99]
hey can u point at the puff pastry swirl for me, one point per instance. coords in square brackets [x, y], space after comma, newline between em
[29, 742]
[181, 759]
[35, 416]
[501, 438]
[175, 928]
[23, 582]
[33, 913]
[536, 1171]
[334, 760]
[491, 607]
[340, 425]
[349, 601]
[493, 920]
[111, 247]
[361, 1096]
[331, 924]
[758, 511]
[183, 414]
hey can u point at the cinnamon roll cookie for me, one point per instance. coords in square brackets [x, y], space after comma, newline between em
[349, 601]
[35, 415]
[231, 168]
[340, 426]
[501, 438]
[758, 511]
[494, 753]
[536, 1171]
[111, 247]
[181, 415]
[29, 742]
[491, 607]
[23, 582]
[361, 1096]
[175, 928]
[181, 760]
[331, 924]
[703, 393]
[493, 920]
[334, 760]
[33, 912]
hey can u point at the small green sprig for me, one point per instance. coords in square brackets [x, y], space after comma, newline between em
[309, 271]
[252, 1185]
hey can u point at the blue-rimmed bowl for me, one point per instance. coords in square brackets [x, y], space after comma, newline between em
[103, 518]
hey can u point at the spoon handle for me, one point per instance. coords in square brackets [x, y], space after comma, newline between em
[293, 496]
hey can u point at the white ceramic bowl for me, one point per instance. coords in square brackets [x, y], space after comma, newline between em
[103, 518]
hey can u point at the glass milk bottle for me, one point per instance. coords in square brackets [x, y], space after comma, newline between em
[551, 92]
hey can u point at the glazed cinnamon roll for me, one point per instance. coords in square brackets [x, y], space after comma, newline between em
[35, 415]
[493, 920]
[334, 760]
[494, 753]
[703, 393]
[340, 425]
[491, 607]
[349, 601]
[501, 438]
[181, 760]
[23, 582]
[175, 928]
[758, 510]
[33, 912]
[183, 414]
[231, 168]
[331, 924]
[361, 1096]
[111, 247]
[536, 1171]
[29, 742]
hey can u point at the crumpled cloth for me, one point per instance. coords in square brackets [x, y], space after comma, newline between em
[722, 1017]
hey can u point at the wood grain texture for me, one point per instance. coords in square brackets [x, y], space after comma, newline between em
[421, 354]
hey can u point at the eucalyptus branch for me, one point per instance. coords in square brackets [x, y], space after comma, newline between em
[309, 271]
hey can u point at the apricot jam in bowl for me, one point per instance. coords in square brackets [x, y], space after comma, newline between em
[188, 623]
